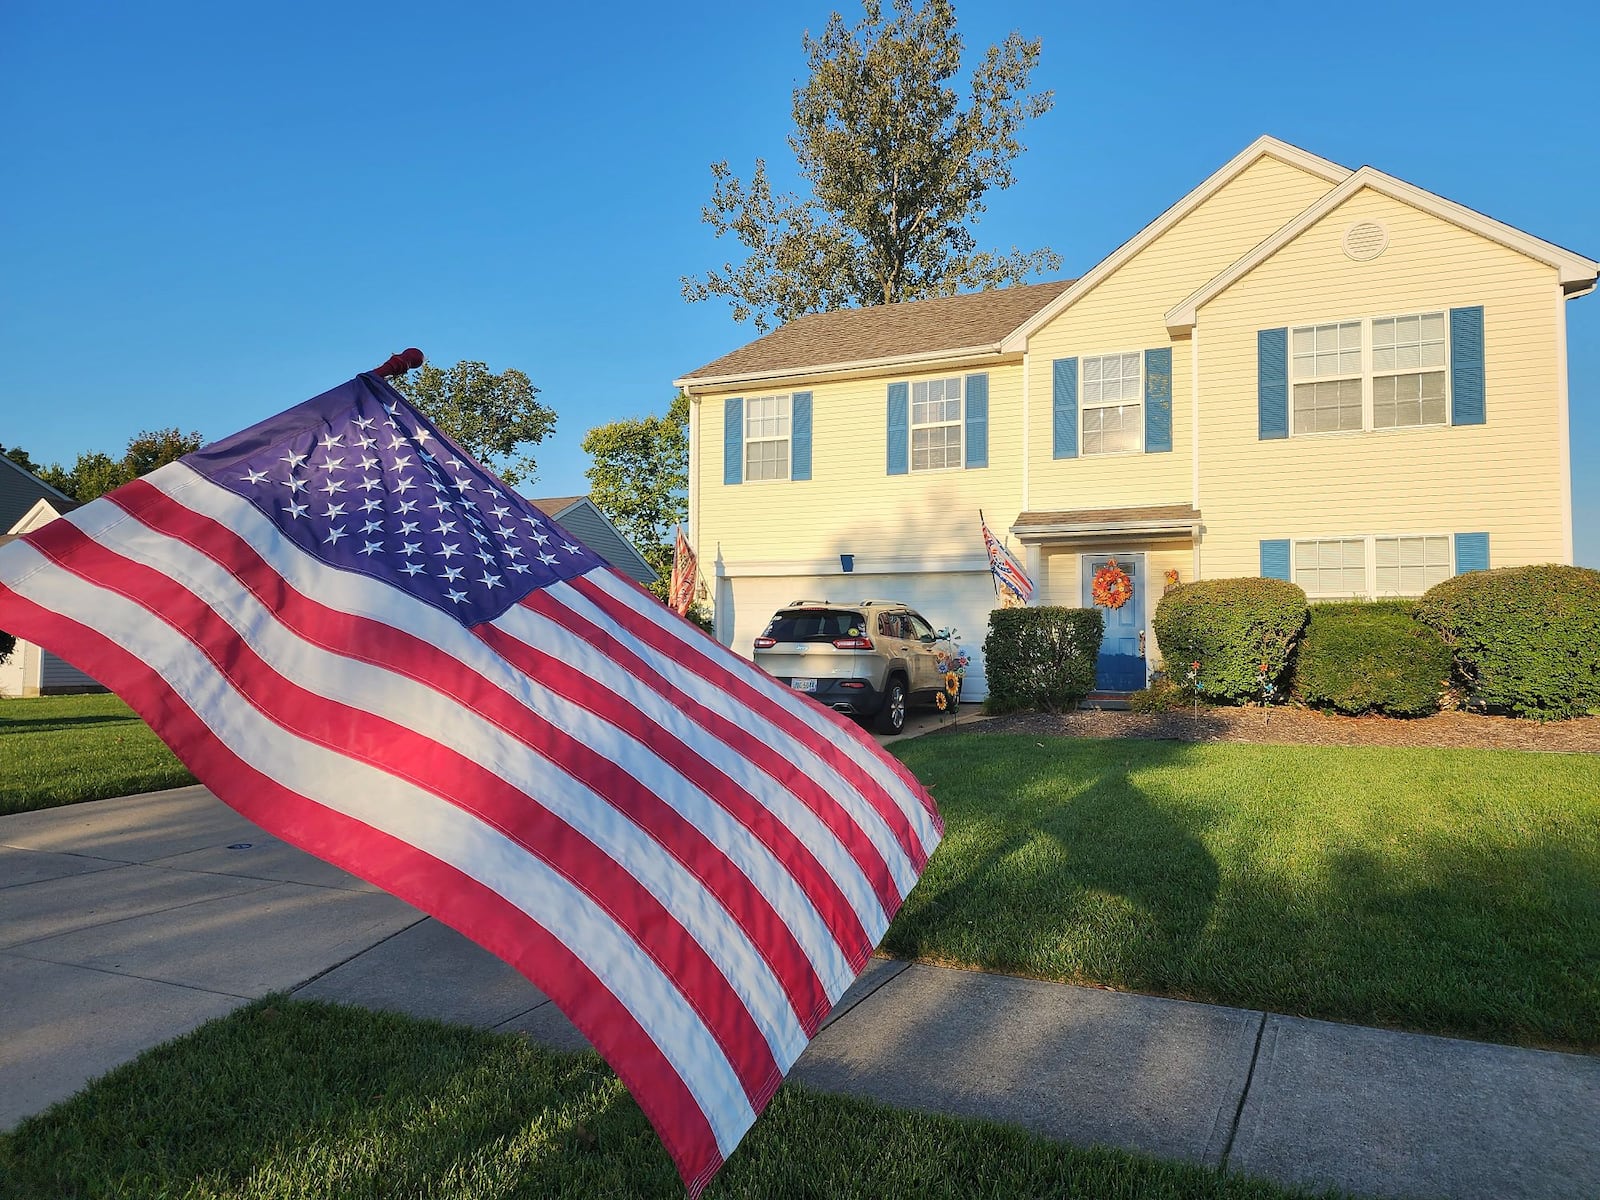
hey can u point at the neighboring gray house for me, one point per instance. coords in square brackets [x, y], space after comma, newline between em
[26, 503]
[578, 515]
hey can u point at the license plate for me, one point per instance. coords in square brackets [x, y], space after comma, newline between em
[803, 685]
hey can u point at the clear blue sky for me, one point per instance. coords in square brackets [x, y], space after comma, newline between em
[210, 213]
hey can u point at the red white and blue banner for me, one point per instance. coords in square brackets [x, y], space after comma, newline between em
[1010, 579]
[362, 641]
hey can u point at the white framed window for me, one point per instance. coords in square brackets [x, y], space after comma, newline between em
[766, 438]
[1382, 373]
[1328, 568]
[1408, 360]
[1111, 404]
[1410, 565]
[935, 424]
[1326, 368]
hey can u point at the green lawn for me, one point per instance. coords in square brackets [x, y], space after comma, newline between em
[291, 1100]
[63, 749]
[1450, 891]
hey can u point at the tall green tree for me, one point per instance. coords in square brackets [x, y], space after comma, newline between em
[22, 458]
[897, 166]
[640, 479]
[95, 473]
[495, 418]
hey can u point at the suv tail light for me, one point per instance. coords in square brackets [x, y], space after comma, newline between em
[765, 643]
[855, 643]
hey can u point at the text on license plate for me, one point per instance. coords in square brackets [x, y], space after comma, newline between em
[803, 685]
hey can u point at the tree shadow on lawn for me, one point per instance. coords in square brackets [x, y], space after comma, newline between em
[1079, 876]
[14, 723]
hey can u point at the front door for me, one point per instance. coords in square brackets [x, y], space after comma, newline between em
[1121, 666]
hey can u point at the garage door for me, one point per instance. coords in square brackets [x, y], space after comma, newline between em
[962, 599]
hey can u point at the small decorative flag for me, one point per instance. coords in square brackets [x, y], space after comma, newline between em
[362, 641]
[1011, 581]
[685, 574]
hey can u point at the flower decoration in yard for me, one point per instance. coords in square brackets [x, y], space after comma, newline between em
[941, 702]
[1172, 580]
[953, 666]
[1268, 688]
[1194, 686]
[1112, 588]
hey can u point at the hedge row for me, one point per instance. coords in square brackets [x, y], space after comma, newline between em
[1521, 640]
[1041, 657]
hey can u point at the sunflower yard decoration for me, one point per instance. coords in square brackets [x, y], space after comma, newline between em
[1111, 587]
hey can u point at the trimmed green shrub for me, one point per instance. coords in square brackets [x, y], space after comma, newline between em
[1041, 657]
[1360, 658]
[1526, 639]
[1230, 627]
[1161, 696]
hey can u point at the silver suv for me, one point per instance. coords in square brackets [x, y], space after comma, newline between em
[872, 658]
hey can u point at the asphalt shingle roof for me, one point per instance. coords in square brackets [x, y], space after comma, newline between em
[854, 335]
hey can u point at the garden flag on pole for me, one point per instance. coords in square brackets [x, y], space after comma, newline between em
[358, 638]
[1011, 582]
[685, 574]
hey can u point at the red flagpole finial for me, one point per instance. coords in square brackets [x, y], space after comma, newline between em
[399, 364]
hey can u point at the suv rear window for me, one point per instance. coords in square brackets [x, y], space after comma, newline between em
[815, 625]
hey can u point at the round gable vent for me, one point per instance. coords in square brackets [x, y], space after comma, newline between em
[1365, 240]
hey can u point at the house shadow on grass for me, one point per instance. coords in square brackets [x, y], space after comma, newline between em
[1077, 872]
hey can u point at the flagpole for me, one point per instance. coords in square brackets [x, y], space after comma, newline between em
[398, 364]
[994, 580]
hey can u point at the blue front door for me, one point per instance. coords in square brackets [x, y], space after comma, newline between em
[1121, 666]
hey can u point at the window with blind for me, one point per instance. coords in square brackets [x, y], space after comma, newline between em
[766, 438]
[1408, 360]
[1409, 566]
[935, 424]
[1326, 368]
[1331, 567]
[1111, 403]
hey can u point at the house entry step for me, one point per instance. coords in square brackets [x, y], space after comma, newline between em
[1116, 700]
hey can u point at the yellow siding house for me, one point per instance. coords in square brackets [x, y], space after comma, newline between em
[1298, 371]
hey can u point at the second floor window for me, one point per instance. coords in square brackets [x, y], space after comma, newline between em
[1113, 403]
[766, 438]
[1327, 377]
[1349, 377]
[1405, 391]
[935, 424]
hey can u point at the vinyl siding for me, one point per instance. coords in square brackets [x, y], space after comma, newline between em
[1501, 477]
[851, 504]
[1125, 313]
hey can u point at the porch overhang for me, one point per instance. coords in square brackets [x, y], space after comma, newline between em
[1162, 522]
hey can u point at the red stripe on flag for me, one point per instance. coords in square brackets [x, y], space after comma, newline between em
[713, 672]
[749, 746]
[400, 652]
[405, 872]
[444, 772]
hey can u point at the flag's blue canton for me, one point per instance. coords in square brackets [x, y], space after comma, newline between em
[375, 488]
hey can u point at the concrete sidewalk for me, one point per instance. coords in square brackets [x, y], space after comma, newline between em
[127, 922]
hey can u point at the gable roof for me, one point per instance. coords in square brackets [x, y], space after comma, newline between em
[1577, 274]
[582, 516]
[20, 490]
[1263, 146]
[882, 335]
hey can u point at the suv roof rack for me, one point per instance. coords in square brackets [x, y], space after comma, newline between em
[798, 603]
[898, 603]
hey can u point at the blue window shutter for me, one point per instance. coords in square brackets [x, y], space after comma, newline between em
[1272, 384]
[899, 418]
[733, 441]
[1158, 400]
[800, 436]
[977, 432]
[1466, 366]
[1065, 407]
[1275, 559]
[1472, 552]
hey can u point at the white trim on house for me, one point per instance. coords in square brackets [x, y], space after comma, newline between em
[42, 513]
[934, 564]
[1263, 146]
[1576, 273]
[1369, 561]
[1563, 424]
[927, 363]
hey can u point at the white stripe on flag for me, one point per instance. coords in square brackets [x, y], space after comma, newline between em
[391, 805]
[375, 690]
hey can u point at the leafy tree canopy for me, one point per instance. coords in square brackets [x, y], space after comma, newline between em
[897, 167]
[96, 472]
[21, 457]
[496, 418]
[640, 479]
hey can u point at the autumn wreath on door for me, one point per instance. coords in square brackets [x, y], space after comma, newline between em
[1112, 588]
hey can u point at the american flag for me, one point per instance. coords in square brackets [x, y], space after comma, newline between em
[361, 640]
[1008, 572]
[685, 575]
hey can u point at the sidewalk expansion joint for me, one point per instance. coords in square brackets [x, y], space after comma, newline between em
[310, 979]
[14, 952]
[1244, 1094]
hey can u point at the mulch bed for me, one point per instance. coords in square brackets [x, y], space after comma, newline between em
[1304, 727]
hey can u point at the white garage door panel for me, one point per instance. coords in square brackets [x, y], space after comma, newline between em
[960, 599]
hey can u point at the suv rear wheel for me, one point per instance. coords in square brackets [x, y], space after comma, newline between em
[892, 716]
